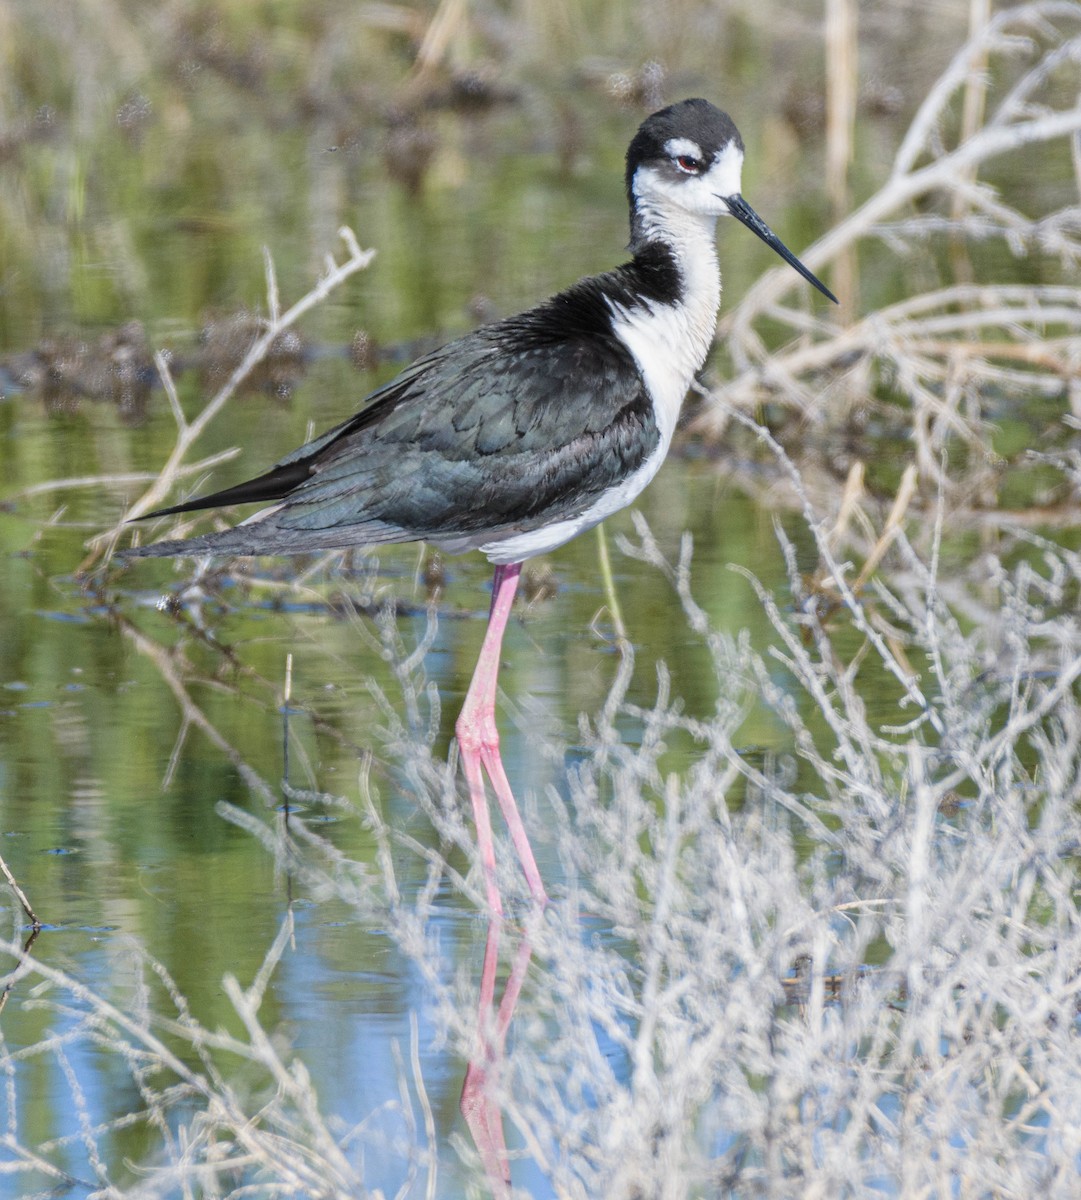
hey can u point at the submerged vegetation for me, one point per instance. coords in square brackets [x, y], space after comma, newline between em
[815, 935]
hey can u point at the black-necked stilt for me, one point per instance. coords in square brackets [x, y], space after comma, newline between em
[521, 435]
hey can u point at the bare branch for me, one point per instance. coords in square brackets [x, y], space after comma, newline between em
[189, 432]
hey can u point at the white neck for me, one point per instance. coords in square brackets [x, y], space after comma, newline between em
[670, 341]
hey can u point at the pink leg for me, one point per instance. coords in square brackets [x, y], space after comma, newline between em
[481, 1110]
[478, 740]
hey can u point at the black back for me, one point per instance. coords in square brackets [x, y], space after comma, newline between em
[519, 424]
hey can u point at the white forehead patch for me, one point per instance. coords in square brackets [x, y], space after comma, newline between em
[726, 173]
[678, 147]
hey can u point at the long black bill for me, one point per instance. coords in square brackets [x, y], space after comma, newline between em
[742, 211]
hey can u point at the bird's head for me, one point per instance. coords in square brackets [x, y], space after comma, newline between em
[687, 161]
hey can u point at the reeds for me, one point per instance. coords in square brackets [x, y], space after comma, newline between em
[930, 359]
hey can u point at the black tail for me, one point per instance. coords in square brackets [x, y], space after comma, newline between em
[273, 485]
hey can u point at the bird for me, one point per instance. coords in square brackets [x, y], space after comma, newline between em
[522, 434]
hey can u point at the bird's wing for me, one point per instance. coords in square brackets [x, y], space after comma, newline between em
[500, 430]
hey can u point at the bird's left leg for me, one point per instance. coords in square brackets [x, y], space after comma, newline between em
[478, 741]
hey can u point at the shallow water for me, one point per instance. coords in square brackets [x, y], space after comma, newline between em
[110, 808]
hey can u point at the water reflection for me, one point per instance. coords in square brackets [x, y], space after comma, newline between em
[484, 1081]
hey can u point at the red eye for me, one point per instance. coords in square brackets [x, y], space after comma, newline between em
[691, 165]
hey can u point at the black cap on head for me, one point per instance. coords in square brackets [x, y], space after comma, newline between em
[696, 120]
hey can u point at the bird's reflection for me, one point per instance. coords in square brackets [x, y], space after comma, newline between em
[480, 1103]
